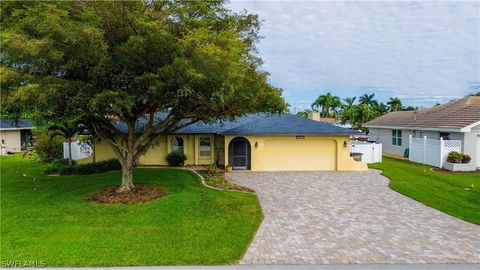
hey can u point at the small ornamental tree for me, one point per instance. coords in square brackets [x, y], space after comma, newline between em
[110, 64]
[67, 129]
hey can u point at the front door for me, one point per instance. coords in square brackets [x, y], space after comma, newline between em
[25, 139]
[240, 154]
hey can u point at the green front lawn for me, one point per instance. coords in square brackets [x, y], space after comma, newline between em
[49, 219]
[457, 194]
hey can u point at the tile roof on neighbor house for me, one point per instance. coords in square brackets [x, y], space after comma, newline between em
[329, 120]
[258, 124]
[11, 124]
[455, 115]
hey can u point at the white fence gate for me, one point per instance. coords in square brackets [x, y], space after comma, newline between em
[432, 152]
[80, 150]
[372, 152]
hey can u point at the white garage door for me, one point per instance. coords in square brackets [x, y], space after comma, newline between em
[299, 155]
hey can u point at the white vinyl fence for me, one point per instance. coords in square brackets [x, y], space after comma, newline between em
[372, 152]
[432, 152]
[80, 150]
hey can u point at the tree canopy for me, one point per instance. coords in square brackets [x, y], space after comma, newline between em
[102, 62]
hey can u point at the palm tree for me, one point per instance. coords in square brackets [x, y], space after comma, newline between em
[395, 104]
[68, 133]
[380, 108]
[349, 102]
[326, 102]
[335, 105]
[367, 99]
[68, 129]
[349, 115]
[364, 114]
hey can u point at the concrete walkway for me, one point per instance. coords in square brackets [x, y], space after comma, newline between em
[350, 218]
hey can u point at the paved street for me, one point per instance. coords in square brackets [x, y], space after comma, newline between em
[350, 218]
[297, 267]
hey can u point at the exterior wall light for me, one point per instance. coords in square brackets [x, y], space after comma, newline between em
[256, 144]
[345, 144]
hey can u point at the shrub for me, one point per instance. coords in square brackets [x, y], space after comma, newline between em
[456, 157]
[55, 166]
[466, 159]
[50, 170]
[90, 168]
[176, 158]
[212, 169]
[48, 147]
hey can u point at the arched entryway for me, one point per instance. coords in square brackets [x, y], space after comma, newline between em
[239, 150]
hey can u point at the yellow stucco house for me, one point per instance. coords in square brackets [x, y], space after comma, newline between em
[257, 142]
[15, 136]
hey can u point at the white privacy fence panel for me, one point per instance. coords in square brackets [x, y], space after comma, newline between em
[432, 152]
[372, 152]
[80, 150]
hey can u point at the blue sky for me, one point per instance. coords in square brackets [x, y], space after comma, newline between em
[422, 52]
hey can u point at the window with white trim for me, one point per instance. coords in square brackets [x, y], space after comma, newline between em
[205, 147]
[396, 137]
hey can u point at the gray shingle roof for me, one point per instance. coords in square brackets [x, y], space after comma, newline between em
[258, 124]
[19, 124]
[287, 124]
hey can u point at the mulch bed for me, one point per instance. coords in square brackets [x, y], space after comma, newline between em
[140, 193]
[225, 184]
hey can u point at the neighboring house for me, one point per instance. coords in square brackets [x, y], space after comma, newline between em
[15, 136]
[257, 142]
[456, 120]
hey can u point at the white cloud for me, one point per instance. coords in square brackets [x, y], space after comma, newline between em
[389, 48]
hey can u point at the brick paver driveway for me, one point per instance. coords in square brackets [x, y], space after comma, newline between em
[350, 217]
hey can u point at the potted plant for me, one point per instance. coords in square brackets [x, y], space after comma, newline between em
[458, 162]
[228, 168]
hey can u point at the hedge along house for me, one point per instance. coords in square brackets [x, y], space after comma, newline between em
[15, 136]
[257, 142]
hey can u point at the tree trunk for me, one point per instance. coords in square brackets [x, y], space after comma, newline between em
[69, 152]
[94, 152]
[127, 177]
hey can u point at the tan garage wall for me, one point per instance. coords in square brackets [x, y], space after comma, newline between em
[11, 139]
[291, 154]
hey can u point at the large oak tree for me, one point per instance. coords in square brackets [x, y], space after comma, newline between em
[106, 63]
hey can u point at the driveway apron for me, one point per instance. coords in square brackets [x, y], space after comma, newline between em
[350, 218]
